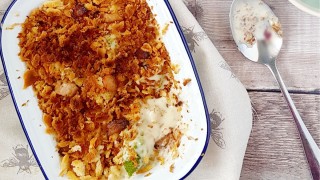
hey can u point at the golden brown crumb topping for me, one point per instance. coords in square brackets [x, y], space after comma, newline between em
[91, 64]
[186, 81]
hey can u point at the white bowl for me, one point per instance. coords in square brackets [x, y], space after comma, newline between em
[309, 6]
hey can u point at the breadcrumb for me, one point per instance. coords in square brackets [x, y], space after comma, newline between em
[91, 63]
[186, 81]
[171, 168]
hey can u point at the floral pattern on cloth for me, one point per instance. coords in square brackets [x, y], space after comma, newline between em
[195, 8]
[4, 91]
[1, 13]
[21, 159]
[216, 119]
[193, 37]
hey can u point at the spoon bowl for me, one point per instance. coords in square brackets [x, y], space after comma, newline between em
[271, 48]
[257, 33]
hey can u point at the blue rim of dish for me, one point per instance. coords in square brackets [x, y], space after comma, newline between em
[185, 43]
[12, 95]
[175, 20]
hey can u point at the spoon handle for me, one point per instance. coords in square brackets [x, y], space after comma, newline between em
[311, 149]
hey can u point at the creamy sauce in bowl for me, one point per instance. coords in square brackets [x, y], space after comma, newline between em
[254, 20]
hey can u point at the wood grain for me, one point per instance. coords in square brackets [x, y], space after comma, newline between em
[274, 150]
[299, 59]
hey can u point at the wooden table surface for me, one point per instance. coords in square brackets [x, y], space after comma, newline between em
[274, 150]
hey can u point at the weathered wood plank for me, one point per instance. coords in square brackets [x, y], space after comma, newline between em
[299, 60]
[274, 150]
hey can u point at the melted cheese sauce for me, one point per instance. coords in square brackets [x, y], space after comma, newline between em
[251, 19]
[157, 117]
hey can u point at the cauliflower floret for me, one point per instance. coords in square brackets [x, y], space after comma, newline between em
[66, 89]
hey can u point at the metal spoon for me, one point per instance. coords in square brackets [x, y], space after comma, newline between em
[265, 51]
